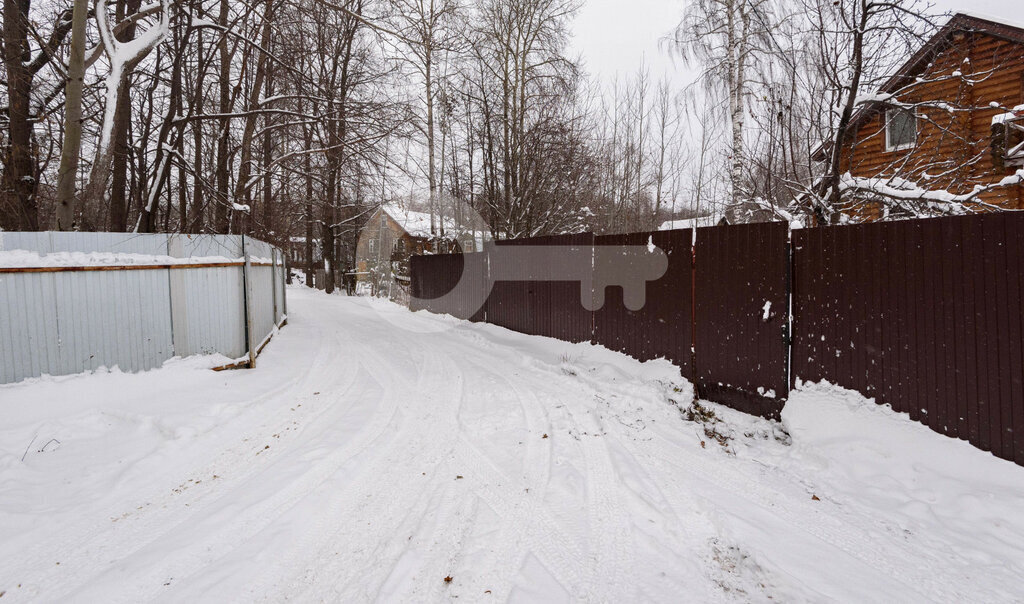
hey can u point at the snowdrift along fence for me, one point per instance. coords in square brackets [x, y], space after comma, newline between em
[89, 300]
[923, 315]
[663, 327]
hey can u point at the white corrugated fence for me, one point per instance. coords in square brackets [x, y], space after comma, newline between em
[73, 302]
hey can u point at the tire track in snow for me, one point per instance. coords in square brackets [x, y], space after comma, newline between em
[226, 536]
[526, 525]
[611, 552]
[610, 559]
[370, 514]
[530, 523]
[96, 546]
[504, 558]
[436, 554]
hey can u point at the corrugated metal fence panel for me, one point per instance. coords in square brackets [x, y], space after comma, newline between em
[66, 322]
[212, 319]
[128, 243]
[540, 307]
[110, 318]
[29, 342]
[208, 315]
[570, 320]
[453, 284]
[741, 355]
[508, 304]
[20, 240]
[924, 315]
[261, 288]
[280, 276]
[419, 278]
[69, 322]
[662, 328]
[446, 270]
[228, 246]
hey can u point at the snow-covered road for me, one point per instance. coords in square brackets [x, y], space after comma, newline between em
[377, 454]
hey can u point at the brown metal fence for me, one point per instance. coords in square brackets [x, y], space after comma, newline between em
[538, 307]
[742, 315]
[434, 278]
[923, 315]
[662, 328]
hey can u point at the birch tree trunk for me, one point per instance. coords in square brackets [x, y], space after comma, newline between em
[72, 147]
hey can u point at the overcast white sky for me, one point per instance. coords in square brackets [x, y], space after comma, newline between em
[615, 36]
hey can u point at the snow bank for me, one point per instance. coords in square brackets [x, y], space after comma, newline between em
[375, 452]
[931, 486]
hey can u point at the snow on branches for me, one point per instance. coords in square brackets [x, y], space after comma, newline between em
[123, 55]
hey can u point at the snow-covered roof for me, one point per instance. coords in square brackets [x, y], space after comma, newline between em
[417, 224]
[1001, 20]
[691, 223]
[1016, 113]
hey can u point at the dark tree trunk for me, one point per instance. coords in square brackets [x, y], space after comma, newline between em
[196, 225]
[220, 213]
[118, 198]
[19, 211]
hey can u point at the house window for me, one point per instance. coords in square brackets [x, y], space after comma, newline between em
[371, 247]
[900, 129]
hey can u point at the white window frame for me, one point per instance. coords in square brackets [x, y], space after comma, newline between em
[888, 120]
[371, 247]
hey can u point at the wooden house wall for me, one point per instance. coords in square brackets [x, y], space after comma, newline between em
[948, 140]
[386, 239]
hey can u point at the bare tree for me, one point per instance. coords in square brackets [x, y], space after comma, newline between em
[725, 37]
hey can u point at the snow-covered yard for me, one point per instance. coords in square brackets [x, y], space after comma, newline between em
[377, 454]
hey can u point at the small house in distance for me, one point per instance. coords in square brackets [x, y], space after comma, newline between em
[393, 233]
[702, 220]
[943, 134]
[297, 252]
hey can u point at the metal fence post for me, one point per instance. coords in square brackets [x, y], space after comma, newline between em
[247, 297]
[273, 280]
[284, 291]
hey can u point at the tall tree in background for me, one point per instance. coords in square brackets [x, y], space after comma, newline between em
[428, 32]
[24, 58]
[725, 37]
[72, 146]
[858, 44]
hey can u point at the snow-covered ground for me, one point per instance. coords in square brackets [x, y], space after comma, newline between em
[380, 454]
